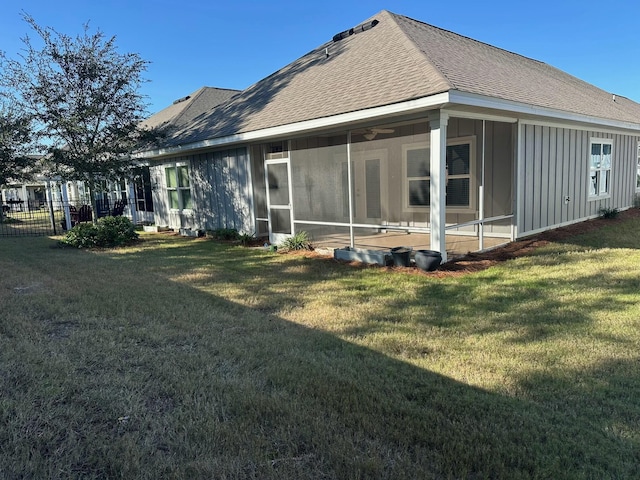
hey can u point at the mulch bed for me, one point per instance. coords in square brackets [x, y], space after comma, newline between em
[474, 262]
[477, 261]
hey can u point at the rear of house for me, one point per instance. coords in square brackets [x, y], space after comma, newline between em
[399, 133]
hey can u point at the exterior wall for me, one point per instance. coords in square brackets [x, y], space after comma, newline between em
[221, 192]
[554, 164]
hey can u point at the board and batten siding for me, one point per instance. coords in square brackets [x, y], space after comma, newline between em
[554, 163]
[221, 192]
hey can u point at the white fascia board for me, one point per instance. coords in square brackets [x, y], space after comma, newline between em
[410, 106]
[475, 100]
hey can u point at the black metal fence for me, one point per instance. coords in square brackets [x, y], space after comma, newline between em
[19, 219]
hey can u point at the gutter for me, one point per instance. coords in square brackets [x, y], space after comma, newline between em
[450, 98]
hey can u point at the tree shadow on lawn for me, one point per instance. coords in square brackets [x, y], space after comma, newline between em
[218, 389]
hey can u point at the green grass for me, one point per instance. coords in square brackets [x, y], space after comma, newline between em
[184, 358]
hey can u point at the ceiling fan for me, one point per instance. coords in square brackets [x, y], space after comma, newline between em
[371, 133]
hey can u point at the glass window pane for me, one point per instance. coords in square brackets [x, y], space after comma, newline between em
[173, 199]
[419, 193]
[418, 163]
[186, 198]
[458, 159]
[458, 192]
[604, 181]
[593, 184]
[171, 177]
[183, 176]
[606, 156]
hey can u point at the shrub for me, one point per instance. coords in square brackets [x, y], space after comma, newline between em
[223, 234]
[246, 239]
[609, 212]
[299, 241]
[107, 232]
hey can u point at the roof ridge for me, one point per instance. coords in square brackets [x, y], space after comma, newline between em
[475, 40]
[191, 99]
[417, 51]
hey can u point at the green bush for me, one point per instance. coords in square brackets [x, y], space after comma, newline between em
[246, 239]
[299, 241]
[609, 212]
[107, 232]
[223, 234]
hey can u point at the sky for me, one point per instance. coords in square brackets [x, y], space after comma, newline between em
[235, 43]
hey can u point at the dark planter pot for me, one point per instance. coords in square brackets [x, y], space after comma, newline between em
[401, 256]
[428, 260]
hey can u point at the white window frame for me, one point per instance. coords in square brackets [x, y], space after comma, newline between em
[178, 188]
[600, 170]
[471, 140]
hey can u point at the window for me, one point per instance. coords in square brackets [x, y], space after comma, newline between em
[460, 167]
[638, 169]
[178, 187]
[600, 168]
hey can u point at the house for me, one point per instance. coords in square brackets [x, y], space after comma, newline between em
[396, 132]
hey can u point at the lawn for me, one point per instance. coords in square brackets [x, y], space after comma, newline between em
[187, 358]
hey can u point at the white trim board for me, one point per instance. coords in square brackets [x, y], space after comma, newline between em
[441, 100]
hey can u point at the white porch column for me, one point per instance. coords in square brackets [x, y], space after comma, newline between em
[132, 202]
[65, 204]
[438, 163]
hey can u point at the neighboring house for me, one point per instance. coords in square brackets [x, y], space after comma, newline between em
[399, 126]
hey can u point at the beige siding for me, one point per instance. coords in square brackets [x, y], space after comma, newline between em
[555, 165]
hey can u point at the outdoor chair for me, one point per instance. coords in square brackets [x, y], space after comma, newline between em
[80, 215]
[118, 208]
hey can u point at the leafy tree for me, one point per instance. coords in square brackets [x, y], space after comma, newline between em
[15, 142]
[84, 97]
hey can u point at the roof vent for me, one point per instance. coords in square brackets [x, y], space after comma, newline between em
[352, 31]
[183, 99]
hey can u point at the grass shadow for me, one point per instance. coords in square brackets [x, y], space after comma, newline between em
[174, 379]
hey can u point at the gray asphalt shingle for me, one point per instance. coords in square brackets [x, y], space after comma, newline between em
[396, 60]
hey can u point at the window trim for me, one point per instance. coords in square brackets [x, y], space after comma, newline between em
[471, 208]
[178, 188]
[598, 195]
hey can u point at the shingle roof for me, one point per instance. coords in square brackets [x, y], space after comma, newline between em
[396, 60]
[186, 109]
[476, 67]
